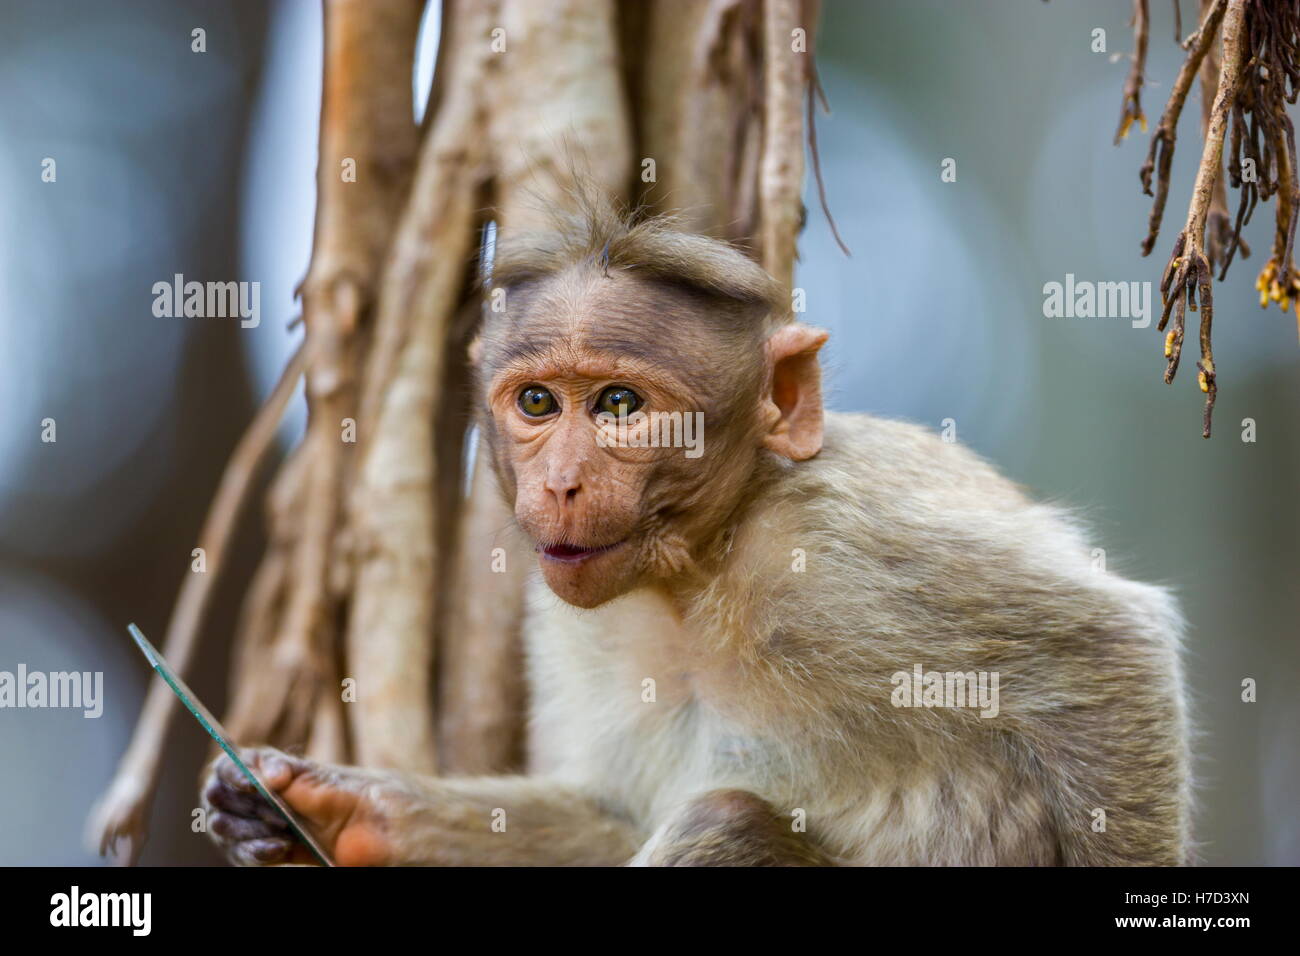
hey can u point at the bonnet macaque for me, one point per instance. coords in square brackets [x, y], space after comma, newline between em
[791, 637]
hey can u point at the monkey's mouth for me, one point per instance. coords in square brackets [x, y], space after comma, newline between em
[575, 554]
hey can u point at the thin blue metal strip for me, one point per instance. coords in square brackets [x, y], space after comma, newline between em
[186, 696]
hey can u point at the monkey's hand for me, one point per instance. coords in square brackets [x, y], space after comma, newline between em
[346, 808]
[387, 818]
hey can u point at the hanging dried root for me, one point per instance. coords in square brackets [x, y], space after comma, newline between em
[390, 628]
[481, 694]
[253, 712]
[1249, 88]
[1188, 274]
[1161, 152]
[1279, 281]
[1222, 238]
[1131, 106]
[1268, 142]
[366, 121]
[780, 184]
[694, 95]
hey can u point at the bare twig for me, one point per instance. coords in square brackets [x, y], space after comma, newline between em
[816, 95]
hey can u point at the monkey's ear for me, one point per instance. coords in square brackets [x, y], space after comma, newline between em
[475, 350]
[794, 406]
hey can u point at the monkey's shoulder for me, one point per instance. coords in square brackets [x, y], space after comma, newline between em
[935, 536]
[893, 460]
[884, 477]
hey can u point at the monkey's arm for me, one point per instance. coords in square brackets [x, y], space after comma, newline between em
[385, 818]
[729, 827]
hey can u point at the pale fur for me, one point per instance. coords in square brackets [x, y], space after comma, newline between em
[777, 682]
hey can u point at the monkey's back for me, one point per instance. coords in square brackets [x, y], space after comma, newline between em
[917, 554]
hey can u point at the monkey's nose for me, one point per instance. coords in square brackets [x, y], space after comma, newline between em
[564, 485]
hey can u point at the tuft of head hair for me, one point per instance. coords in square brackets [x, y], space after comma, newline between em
[594, 233]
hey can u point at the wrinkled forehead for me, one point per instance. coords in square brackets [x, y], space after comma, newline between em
[588, 315]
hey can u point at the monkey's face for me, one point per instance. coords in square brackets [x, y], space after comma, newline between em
[622, 427]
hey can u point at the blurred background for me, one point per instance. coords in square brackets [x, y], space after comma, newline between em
[172, 161]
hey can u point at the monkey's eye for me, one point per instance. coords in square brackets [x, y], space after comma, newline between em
[536, 402]
[618, 400]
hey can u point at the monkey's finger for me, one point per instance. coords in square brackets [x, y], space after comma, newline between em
[277, 768]
[260, 852]
[235, 829]
[225, 770]
[222, 796]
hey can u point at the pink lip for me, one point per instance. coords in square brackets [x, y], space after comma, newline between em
[573, 554]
